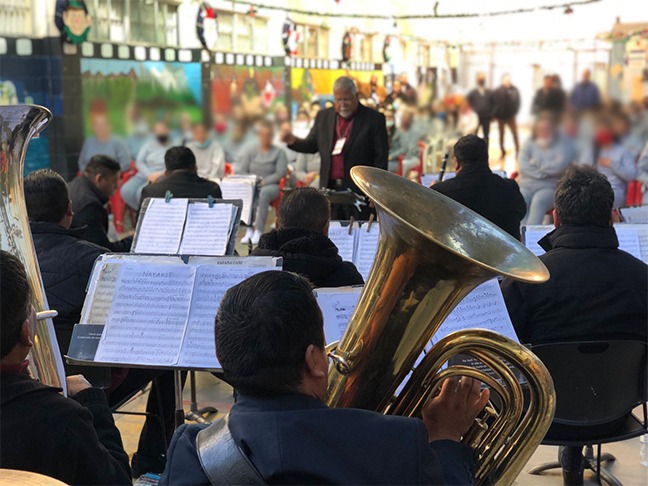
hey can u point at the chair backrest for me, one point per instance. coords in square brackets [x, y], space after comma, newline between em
[596, 382]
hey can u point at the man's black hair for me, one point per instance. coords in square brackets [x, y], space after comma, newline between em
[304, 207]
[471, 150]
[14, 297]
[46, 196]
[584, 196]
[263, 327]
[102, 164]
[179, 158]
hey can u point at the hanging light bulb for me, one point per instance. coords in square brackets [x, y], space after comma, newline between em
[569, 10]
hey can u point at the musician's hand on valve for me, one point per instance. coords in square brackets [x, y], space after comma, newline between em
[451, 413]
[76, 384]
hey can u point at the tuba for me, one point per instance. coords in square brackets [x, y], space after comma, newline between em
[432, 252]
[18, 125]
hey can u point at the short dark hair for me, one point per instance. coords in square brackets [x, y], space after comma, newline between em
[46, 196]
[179, 158]
[471, 150]
[584, 197]
[15, 296]
[263, 327]
[102, 164]
[304, 207]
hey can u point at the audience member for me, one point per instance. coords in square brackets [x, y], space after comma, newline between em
[136, 140]
[307, 169]
[596, 292]
[622, 129]
[543, 159]
[476, 187]
[269, 163]
[90, 192]
[506, 104]
[642, 172]
[408, 94]
[614, 161]
[467, 120]
[210, 157]
[481, 101]
[301, 238]
[73, 439]
[103, 143]
[150, 165]
[404, 144]
[270, 342]
[585, 95]
[548, 99]
[66, 264]
[181, 178]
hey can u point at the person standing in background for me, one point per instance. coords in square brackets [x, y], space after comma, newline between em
[585, 95]
[210, 157]
[103, 143]
[547, 99]
[506, 105]
[481, 101]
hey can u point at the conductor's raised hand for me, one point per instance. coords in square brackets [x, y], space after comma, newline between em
[450, 414]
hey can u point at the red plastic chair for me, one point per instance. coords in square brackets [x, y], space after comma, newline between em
[229, 169]
[118, 206]
[634, 194]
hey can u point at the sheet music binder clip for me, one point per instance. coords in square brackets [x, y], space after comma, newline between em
[371, 220]
[350, 225]
[167, 196]
[211, 201]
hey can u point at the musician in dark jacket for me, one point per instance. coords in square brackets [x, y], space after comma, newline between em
[74, 439]
[181, 178]
[476, 187]
[270, 342]
[596, 292]
[301, 240]
[345, 135]
[90, 193]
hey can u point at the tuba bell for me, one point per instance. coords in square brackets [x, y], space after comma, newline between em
[18, 125]
[432, 252]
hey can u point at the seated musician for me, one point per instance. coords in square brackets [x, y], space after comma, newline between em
[270, 343]
[66, 263]
[476, 187]
[595, 292]
[71, 439]
[301, 238]
[181, 178]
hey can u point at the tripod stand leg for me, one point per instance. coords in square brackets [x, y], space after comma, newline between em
[196, 414]
[179, 412]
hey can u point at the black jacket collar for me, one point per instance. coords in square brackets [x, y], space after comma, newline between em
[16, 385]
[474, 170]
[270, 403]
[44, 227]
[580, 237]
[103, 199]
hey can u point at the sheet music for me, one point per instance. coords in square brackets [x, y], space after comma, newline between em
[629, 240]
[366, 248]
[212, 281]
[243, 188]
[642, 235]
[337, 305]
[96, 310]
[483, 308]
[635, 214]
[533, 234]
[207, 230]
[345, 242]
[161, 228]
[148, 315]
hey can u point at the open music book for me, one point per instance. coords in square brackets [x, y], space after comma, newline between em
[161, 313]
[241, 187]
[633, 238]
[359, 246]
[635, 214]
[186, 227]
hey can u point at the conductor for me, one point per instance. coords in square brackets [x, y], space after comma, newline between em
[345, 135]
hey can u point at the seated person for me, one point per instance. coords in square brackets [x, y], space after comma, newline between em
[301, 238]
[405, 144]
[210, 157]
[90, 193]
[596, 292]
[307, 169]
[71, 439]
[270, 343]
[476, 187]
[642, 172]
[66, 263]
[103, 143]
[270, 164]
[181, 178]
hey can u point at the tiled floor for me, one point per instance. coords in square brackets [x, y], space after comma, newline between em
[215, 393]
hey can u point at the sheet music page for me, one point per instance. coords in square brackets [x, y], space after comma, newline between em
[337, 305]
[635, 214]
[345, 242]
[148, 315]
[533, 234]
[483, 308]
[626, 242]
[243, 188]
[212, 281]
[161, 228]
[207, 230]
[100, 294]
[367, 247]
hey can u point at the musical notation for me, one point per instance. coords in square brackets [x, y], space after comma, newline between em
[345, 241]
[359, 246]
[207, 230]
[243, 188]
[161, 229]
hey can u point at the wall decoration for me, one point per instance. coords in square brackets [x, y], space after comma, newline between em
[387, 51]
[347, 44]
[207, 26]
[73, 20]
[290, 37]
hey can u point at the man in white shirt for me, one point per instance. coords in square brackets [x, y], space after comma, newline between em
[210, 157]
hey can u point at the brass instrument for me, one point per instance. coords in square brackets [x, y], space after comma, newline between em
[18, 125]
[432, 252]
